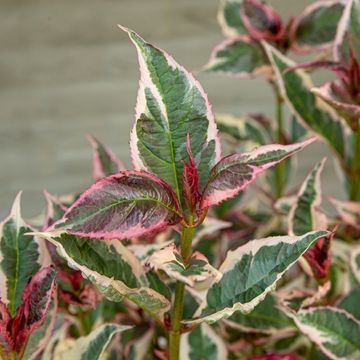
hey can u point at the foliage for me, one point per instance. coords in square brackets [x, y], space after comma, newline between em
[175, 258]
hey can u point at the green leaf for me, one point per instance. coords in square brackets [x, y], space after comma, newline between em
[229, 18]
[355, 262]
[203, 343]
[348, 32]
[170, 105]
[250, 272]
[309, 110]
[21, 256]
[115, 271]
[265, 318]
[238, 58]
[93, 346]
[304, 215]
[350, 302]
[333, 330]
[316, 27]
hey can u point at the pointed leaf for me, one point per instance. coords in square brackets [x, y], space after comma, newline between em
[170, 105]
[349, 211]
[203, 343]
[196, 271]
[309, 110]
[240, 58]
[21, 256]
[36, 299]
[261, 20]
[115, 271]
[329, 94]
[235, 172]
[348, 33]
[230, 20]
[124, 205]
[250, 272]
[315, 28]
[93, 346]
[55, 210]
[265, 318]
[304, 214]
[105, 162]
[333, 330]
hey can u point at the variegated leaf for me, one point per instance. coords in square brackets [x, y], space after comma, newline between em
[274, 356]
[170, 105]
[195, 272]
[250, 272]
[124, 205]
[315, 28]
[115, 271]
[54, 211]
[105, 162]
[229, 18]
[203, 343]
[265, 318]
[239, 58]
[210, 227]
[21, 256]
[333, 330]
[91, 347]
[304, 215]
[355, 262]
[345, 107]
[235, 172]
[348, 32]
[252, 128]
[350, 302]
[349, 211]
[309, 110]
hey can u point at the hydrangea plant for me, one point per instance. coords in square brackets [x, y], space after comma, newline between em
[175, 259]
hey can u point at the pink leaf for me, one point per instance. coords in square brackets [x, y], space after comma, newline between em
[190, 179]
[235, 172]
[105, 162]
[319, 257]
[125, 205]
[36, 298]
[6, 341]
[261, 21]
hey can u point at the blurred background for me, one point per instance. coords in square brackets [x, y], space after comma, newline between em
[67, 70]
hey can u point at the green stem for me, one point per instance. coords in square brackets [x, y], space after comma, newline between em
[280, 168]
[355, 168]
[175, 333]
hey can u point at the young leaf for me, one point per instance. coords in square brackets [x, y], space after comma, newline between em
[238, 58]
[21, 256]
[315, 28]
[190, 179]
[54, 210]
[230, 20]
[36, 299]
[93, 346]
[125, 205]
[265, 318]
[349, 211]
[309, 110]
[235, 172]
[304, 215]
[203, 343]
[170, 105]
[196, 271]
[273, 356]
[348, 33]
[333, 330]
[261, 21]
[115, 271]
[105, 162]
[250, 272]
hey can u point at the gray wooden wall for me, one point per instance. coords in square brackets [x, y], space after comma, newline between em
[66, 70]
